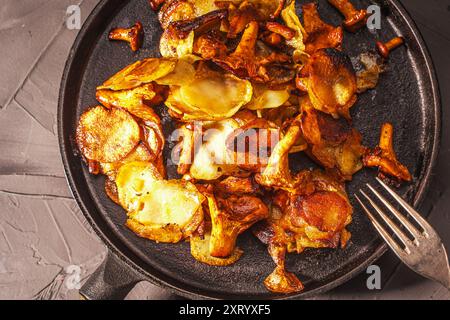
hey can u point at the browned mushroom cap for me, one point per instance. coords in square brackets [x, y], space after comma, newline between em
[333, 143]
[385, 48]
[134, 35]
[320, 34]
[237, 186]
[230, 217]
[210, 45]
[384, 156]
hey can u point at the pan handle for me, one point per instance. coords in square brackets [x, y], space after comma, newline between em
[112, 280]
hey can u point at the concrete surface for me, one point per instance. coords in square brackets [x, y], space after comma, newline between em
[43, 235]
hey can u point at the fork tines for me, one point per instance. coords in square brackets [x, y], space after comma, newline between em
[419, 246]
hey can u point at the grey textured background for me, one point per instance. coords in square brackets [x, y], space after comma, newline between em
[42, 231]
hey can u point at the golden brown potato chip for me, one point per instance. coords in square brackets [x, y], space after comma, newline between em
[212, 97]
[182, 75]
[140, 153]
[140, 72]
[165, 211]
[200, 251]
[212, 159]
[126, 99]
[107, 135]
[266, 98]
[330, 81]
[111, 190]
[134, 179]
[165, 234]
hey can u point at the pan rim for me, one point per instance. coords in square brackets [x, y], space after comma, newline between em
[114, 247]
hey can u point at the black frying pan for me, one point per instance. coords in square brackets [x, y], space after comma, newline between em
[407, 96]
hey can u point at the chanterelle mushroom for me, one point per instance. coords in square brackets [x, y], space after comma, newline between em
[230, 217]
[313, 215]
[320, 34]
[384, 156]
[134, 35]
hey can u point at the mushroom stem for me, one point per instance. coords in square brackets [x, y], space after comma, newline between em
[385, 48]
[354, 19]
[280, 29]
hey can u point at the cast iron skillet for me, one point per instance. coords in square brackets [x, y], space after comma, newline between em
[407, 96]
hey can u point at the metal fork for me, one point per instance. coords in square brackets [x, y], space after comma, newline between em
[421, 250]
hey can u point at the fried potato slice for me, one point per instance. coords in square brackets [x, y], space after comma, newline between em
[267, 98]
[213, 160]
[211, 96]
[173, 47]
[133, 180]
[330, 81]
[202, 7]
[168, 211]
[126, 99]
[180, 19]
[139, 73]
[175, 10]
[136, 101]
[140, 153]
[183, 74]
[160, 210]
[200, 251]
[107, 135]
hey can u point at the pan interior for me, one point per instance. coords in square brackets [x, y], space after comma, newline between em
[403, 97]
